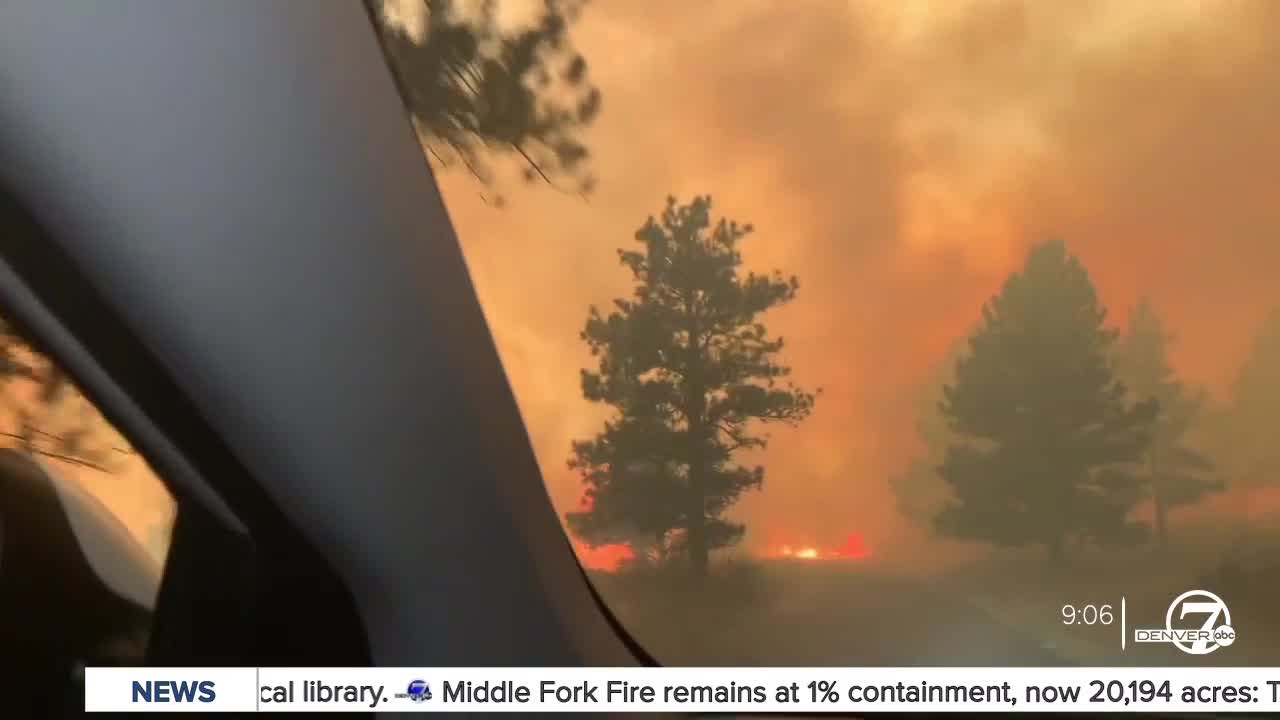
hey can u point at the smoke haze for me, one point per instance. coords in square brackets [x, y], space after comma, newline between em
[899, 158]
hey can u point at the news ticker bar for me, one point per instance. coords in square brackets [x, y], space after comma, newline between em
[716, 690]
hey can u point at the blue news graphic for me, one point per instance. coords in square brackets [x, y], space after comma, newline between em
[164, 691]
[418, 691]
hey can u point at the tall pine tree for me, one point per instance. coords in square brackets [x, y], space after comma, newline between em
[1174, 472]
[689, 370]
[1039, 416]
[1245, 442]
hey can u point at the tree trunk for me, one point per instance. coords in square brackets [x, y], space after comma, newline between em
[1160, 507]
[695, 406]
[696, 539]
[699, 552]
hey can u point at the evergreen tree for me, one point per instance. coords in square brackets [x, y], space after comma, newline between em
[475, 85]
[1040, 415]
[1175, 473]
[1246, 442]
[689, 370]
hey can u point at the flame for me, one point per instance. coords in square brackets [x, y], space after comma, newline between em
[604, 557]
[854, 548]
[609, 558]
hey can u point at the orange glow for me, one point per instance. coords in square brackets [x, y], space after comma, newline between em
[908, 155]
[854, 548]
[605, 557]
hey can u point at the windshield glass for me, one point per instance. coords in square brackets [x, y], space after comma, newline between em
[883, 333]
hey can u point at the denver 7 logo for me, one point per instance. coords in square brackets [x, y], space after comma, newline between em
[1210, 635]
[1194, 640]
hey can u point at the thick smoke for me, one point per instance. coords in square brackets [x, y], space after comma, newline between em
[899, 157]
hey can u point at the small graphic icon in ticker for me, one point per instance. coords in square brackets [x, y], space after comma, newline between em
[418, 691]
[1215, 632]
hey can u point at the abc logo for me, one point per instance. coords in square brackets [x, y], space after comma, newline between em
[1224, 635]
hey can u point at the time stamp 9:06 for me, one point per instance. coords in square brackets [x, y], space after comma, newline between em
[1089, 614]
[1092, 615]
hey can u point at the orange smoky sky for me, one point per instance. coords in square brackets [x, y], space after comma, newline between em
[899, 158]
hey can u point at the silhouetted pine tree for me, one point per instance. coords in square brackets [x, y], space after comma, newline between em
[688, 369]
[1039, 414]
[1174, 472]
[1246, 443]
